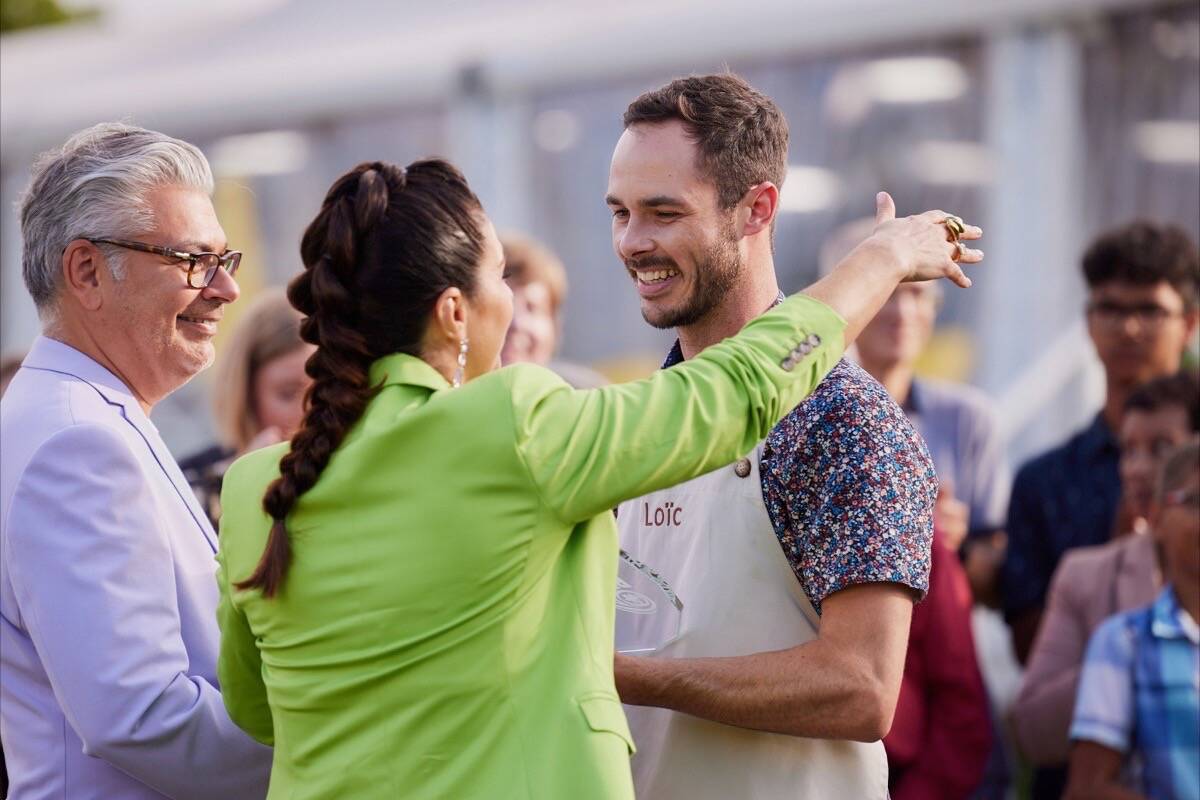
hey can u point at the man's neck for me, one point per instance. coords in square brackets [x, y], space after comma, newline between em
[755, 293]
[897, 378]
[81, 339]
[1114, 403]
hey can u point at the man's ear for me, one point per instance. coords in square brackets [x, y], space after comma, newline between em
[449, 319]
[1191, 319]
[82, 266]
[762, 201]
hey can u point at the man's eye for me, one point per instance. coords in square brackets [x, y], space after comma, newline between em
[667, 214]
[620, 213]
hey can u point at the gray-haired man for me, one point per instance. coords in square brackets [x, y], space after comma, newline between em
[108, 635]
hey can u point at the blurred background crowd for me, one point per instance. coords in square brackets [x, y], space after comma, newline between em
[1047, 122]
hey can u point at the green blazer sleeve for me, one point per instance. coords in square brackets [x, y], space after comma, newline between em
[586, 451]
[239, 667]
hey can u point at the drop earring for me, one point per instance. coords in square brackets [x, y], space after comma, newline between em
[462, 365]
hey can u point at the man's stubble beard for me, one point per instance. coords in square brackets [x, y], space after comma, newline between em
[718, 270]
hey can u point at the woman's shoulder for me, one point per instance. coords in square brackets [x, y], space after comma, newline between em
[258, 463]
[525, 384]
[245, 483]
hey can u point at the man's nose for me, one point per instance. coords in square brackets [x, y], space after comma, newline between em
[633, 241]
[1132, 326]
[223, 287]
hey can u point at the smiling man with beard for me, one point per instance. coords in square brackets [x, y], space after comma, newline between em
[108, 596]
[797, 566]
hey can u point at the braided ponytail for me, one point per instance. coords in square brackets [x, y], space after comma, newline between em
[385, 244]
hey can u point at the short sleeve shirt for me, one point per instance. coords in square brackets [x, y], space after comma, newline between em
[1139, 694]
[849, 486]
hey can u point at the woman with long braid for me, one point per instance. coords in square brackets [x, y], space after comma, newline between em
[417, 590]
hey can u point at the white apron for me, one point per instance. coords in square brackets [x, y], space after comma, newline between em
[717, 549]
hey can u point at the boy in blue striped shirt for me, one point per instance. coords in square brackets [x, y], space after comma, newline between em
[1137, 713]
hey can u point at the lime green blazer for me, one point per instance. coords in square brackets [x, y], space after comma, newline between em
[446, 628]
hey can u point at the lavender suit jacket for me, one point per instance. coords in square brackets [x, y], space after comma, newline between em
[108, 632]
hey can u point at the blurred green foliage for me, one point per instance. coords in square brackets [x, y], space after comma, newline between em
[17, 15]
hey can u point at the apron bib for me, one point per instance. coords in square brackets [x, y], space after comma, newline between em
[712, 541]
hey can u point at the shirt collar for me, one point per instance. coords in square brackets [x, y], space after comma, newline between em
[1167, 618]
[1098, 438]
[401, 368]
[912, 403]
[676, 355]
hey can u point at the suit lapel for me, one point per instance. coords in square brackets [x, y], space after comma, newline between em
[54, 356]
[166, 462]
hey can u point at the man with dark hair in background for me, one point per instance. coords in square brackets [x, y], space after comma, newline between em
[1093, 583]
[797, 566]
[1141, 311]
[942, 733]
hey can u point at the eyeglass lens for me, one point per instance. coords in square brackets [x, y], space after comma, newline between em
[207, 264]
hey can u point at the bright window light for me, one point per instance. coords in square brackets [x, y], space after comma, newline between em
[951, 163]
[556, 130]
[807, 189]
[924, 79]
[1168, 141]
[267, 153]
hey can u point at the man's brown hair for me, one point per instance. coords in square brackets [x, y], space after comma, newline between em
[1143, 253]
[1180, 464]
[741, 134]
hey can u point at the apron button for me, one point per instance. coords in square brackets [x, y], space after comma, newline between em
[742, 467]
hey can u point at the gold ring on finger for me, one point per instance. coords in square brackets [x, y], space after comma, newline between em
[960, 250]
[954, 226]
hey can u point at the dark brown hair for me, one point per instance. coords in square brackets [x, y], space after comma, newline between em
[1144, 253]
[1179, 465]
[741, 134]
[1181, 390]
[385, 244]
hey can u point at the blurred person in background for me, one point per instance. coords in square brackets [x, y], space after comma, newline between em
[539, 287]
[417, 589]
[1093, 583]
[797, 564]
[1136, 727]
[258, 394]
[957, 423]
[1142, 284]
[108, 635]
[941, 737]
[944, 732]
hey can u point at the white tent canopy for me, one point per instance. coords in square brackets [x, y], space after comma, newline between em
[202, 69]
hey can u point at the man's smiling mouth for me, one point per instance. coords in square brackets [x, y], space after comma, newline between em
[653, 276]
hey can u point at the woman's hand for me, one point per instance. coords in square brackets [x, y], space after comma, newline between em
[919, 248]
[922, 244]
